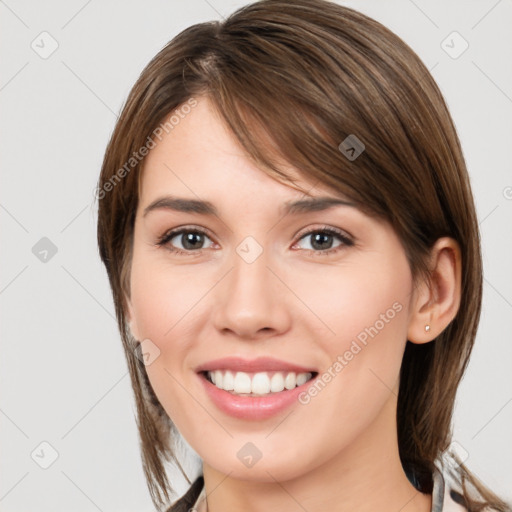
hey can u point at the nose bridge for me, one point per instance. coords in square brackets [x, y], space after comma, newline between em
[249, 299]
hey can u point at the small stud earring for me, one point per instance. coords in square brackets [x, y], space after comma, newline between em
[427, 328]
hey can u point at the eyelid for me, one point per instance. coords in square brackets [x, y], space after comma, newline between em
[346, 239]
[179, 229]
[325, 227]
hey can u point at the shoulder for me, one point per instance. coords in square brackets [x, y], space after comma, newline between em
[190, 498]
[452, 490]
[447, 494]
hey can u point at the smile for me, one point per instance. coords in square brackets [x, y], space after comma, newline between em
[257, 384]
[242, 403]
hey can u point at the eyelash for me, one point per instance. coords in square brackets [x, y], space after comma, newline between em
[169, 235]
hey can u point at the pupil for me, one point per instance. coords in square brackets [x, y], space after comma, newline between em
[322, 238]
[189, 240]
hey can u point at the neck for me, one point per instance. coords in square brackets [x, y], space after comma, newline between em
[365, 476]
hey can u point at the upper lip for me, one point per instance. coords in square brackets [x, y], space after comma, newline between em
[261, 364]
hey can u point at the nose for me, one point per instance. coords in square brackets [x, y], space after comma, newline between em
[251, 302]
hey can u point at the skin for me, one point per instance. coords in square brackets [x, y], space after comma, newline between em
[339, 451]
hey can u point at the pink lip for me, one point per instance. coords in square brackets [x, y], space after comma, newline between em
[261, 364]
[252, 408]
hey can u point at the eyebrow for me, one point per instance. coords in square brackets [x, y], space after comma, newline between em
[201, 207]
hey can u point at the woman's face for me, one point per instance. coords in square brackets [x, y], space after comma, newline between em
[263, 281]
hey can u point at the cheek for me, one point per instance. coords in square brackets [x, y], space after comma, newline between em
[162, 298]
[357, 301]
[167, 307]
[361, 314]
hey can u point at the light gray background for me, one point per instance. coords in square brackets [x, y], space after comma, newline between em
[63, 375]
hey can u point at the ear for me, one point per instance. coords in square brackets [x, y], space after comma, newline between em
[436, 300]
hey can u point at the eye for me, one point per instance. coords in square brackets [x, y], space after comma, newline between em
[321, 240]
[190, 240]
[187, 241]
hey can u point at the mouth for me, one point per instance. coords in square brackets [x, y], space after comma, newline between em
[256, 384]
[254, 389]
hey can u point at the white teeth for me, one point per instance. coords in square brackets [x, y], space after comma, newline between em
[302, 378]
[277, 382]
[291, 381]
[242, 383]
[228, 382]
[260, 384]
[257, 383]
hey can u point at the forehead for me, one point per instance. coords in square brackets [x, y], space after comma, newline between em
[200, 157]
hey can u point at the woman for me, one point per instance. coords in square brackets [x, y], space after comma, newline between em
[288, 227]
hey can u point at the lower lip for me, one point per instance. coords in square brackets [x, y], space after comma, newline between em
[253, 408]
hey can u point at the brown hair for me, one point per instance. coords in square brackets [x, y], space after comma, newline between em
[305, 75]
